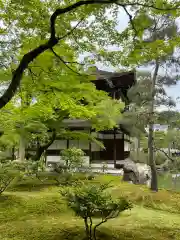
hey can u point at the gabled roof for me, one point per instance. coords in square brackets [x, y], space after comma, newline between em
[114, 83]
[116, 79]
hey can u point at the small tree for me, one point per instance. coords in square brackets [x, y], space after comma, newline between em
[90, 201]
[8, 173]
[73, 158]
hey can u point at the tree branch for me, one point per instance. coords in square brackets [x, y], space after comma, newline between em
[72, 30]
[70, 8]
[131, 20]
[167, 155]
[96, 226]
[18, 73]
[42, 148]
[90, 227]
[64, 62]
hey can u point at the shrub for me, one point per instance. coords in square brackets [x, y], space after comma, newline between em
[160, 158]
[141, 157]
[73, 158]
[65, 178]
[90, 201]
[8, 173]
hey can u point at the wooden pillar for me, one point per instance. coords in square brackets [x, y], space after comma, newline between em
[67, 143]
[13, 153]
[114, 148]
[45, 158]
[123, 146]
[90, 150]
[22, 147]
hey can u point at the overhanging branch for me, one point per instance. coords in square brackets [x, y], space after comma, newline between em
[131, 21]
[167, 155]
[64, 62]
[72, 30]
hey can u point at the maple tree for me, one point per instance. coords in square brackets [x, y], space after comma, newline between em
[29, 25]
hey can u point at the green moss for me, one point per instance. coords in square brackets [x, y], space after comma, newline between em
[139, 224]
[41, 214]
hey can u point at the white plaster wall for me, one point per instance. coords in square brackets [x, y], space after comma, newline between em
[58, 159]
[82, 144]
[100, 165]
[54, 159]
[58, 144]
[62, 144]
[106, 136]
[126, 146]
[73, 143]
[95, 147]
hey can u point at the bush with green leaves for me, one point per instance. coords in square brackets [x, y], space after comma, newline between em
[9, 172]
[94, 201]
[140, 157]
[30, 167]
[160, 158]
[73, 158]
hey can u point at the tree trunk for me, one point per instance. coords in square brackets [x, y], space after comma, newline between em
[169, 149]
[40, 149]
[137, 147]
[13, 153]
[114, 148]
[154, 180]
[22, 148]
[87, 229]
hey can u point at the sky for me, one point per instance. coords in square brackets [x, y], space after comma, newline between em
[173, 91]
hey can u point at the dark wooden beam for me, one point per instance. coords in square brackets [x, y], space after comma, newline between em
[90, 150]
[67, 143]
[114, 150]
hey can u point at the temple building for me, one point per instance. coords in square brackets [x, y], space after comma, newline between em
[116, 141]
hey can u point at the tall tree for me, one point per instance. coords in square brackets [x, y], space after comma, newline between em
[162, 31]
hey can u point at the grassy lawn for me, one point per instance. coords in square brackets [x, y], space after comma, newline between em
[35, 211]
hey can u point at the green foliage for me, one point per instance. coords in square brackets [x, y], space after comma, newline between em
[51, 90]
[91, 201]
[160, 158]
[9, 171]
[65, 179]
[160, 139]
[51, 83]
[170, 118]
[73, 158]
[29, 168]
[140, 157]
